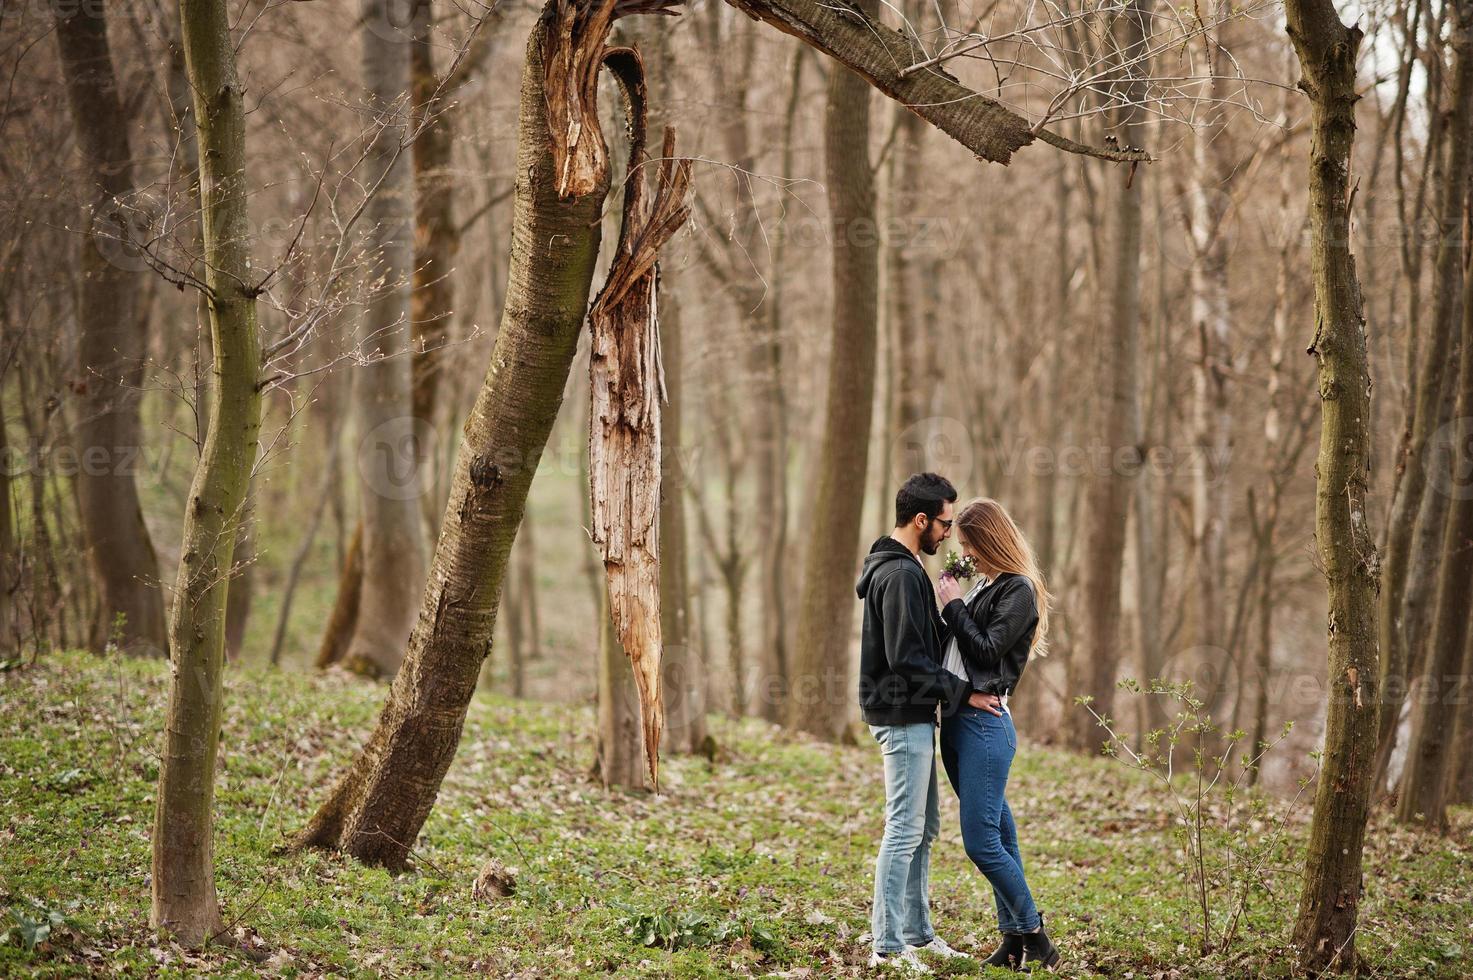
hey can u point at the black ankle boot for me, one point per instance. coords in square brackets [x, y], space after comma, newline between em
[1038, 949]
[1010, 954]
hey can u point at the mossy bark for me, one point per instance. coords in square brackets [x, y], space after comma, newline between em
[1329, 904]
[185, 905]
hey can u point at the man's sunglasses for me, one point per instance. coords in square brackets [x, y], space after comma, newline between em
[945, 524]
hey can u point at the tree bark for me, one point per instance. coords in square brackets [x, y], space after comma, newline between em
[111, 350]
[1433, 757]
[819, 697]
[1092, 666]
[377, 807]
[680, 668]
[772, 466]
[1459, 790]
[185, 905]
[388, 456]
[1212, 320]
[1415, 524]
[10, 572]
[617, 759]
[344, 615]
[1329, 904]
[852, 35]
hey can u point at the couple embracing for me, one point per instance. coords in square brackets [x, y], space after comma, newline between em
[956, 667]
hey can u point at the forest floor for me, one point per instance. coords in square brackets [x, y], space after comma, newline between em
[756, 864]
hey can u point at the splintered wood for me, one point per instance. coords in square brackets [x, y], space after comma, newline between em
[628, 387]
[573, 53]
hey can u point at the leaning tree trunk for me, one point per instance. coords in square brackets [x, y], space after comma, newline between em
[1324, 931]
[185, 905]
[377, 807]
[1092, 666]
[1433, 757]
[388, 459]
[111, 349]
[1416, 521]
[818, 699]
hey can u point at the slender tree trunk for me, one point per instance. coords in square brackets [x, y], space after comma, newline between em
[185, 905]
[773, 465]
[1151, 497]
[299, 559]
[680, 668]
[1093, 664]
[344, 613]
[819, 698]
[1414, 534]
[1212, 321]
[388, 457]
[1329, 904]
[516, 637]
[618, 759]
[377, 807]
[1433, 758]
[10, 563]
[1459, 790]
[436, 240]
[526, 561]
[111, 349]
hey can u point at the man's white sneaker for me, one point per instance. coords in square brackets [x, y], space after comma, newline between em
[939, 947]
[906, 959]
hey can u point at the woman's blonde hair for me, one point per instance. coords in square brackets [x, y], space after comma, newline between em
[989, 531]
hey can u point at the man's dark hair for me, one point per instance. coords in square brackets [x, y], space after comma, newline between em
[923, 493]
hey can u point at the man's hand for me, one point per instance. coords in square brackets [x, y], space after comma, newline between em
[947, 589]
[987, 702]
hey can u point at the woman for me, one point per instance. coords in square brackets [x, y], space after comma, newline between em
[990, 633]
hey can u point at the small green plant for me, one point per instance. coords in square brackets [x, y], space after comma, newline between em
[671, 929]
[34, 924]
[1230, 843]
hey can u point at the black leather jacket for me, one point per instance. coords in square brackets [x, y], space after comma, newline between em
[994, 634]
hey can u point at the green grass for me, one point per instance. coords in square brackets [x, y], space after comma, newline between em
[765, 856]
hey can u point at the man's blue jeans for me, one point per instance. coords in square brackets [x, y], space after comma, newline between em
[977, 749]
[902, 909]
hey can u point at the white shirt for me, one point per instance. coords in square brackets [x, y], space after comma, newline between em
[952, 660]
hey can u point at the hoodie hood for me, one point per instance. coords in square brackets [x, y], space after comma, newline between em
[881, 553]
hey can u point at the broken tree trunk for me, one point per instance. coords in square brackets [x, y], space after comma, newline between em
[627, 385]
[377, 807]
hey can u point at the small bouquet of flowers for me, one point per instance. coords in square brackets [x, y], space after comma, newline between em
[959, 566]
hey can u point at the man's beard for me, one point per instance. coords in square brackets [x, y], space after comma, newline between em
[928, 545]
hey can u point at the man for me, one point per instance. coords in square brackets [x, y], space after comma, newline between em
[901, 685]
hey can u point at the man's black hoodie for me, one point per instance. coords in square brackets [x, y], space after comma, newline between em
[901, 679]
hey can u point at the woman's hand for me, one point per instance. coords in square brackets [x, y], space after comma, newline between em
[987, 702]
[947, 589]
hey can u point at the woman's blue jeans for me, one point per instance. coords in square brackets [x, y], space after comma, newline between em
[977, 749]
[902, 909]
